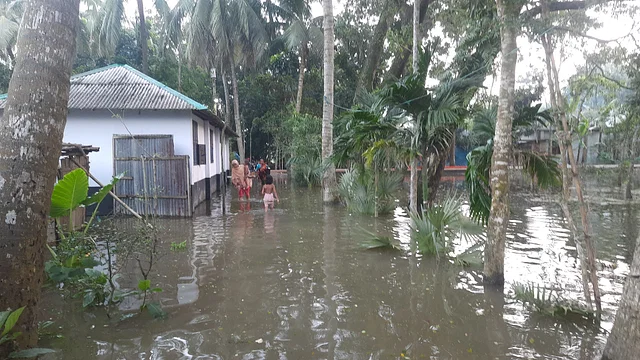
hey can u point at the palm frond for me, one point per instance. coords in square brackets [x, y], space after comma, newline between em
[437, 227]
[477, 180]
[8, 32]
[541, 167]
[375, 241]
[111, 27]
[296, 35]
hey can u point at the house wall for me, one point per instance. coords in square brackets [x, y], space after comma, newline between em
[592, 139]
[98, 127]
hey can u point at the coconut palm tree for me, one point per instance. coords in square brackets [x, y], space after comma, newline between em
[234, 31]
[36, 104]
[542, 168]
[303, 34]
[111, 27]
[329, 184]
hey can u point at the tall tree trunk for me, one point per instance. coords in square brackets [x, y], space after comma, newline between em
[398, 65]
[304, 53]
[179, 73]
[499, 217]
[329, 184]
[236, 108]
[624, 341]
[227, 98]
[214, 92]
[566, 177]
[565, 139]
[413, 179]
[452, 150]
[374, 50]
[30, 141]
[632, 151]
[143, 37]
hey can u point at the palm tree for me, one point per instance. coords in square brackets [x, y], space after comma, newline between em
[304, 35]
[111, 27]
[436, 113]
[543, 168]
[36, 104]
[226, 34]
[329, 184]
[508, 13]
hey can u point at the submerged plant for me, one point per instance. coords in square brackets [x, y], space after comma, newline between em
[375, 241]
[175, 246]
[364, 192]
[307, 170]
[8, 320]
[436, 227]
[548, 301]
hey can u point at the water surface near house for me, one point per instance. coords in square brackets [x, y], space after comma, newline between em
[293, 284]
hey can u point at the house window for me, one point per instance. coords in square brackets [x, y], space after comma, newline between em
[196, 152]
[212, 142]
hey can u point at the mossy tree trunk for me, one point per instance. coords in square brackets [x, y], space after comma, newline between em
[30, 140]
[508, 12]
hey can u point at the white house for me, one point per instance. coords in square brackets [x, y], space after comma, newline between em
[119, 100]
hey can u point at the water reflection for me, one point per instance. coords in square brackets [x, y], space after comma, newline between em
[293, 284]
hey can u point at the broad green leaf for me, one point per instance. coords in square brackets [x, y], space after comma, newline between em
[144, 285]
[156, 311]
[11, 321]
[88, 299]
[99, 196]
[69, 193]
[30, 353]
[89, 262]
[3, 317]
[156, 289]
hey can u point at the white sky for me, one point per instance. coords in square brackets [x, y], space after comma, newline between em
[531, 56]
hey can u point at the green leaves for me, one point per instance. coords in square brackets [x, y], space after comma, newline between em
[144, 285]
[436, 227]
[10, 320]
[155, 310]
[69, 193]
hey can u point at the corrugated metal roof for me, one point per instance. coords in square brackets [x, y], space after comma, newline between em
[121, 87]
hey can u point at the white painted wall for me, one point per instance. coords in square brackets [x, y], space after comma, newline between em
[97, 128]
[199, 172]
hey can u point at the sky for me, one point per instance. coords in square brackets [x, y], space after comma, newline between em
[531, 56]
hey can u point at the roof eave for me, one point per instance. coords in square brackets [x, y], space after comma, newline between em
[215, 121]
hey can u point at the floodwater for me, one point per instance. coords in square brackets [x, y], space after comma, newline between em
[293, 284]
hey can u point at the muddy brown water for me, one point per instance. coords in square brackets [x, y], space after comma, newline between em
[293, 284]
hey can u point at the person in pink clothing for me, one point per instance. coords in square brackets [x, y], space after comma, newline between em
[270, 193]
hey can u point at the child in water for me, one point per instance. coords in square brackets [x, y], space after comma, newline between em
[269, 192]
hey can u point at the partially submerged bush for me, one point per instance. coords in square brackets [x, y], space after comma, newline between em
[436, 227]
[548, 301]
[364, 194]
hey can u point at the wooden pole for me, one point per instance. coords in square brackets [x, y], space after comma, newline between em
[133, 212]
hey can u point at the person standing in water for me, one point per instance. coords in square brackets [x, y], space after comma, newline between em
[270, 193]
[248, 178]
[238, 179]
[262, 171]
